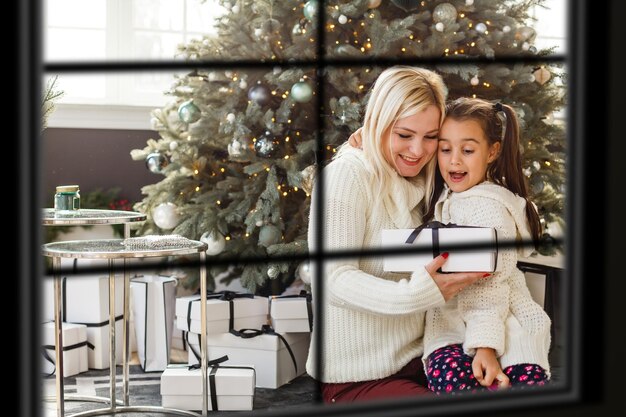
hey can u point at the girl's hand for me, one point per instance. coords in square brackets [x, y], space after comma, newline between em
[451, 284]
[487, 370]
[355, 140]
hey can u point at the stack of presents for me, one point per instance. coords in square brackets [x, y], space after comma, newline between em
[252, 341]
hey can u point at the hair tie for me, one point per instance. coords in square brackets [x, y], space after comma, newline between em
[501, 114]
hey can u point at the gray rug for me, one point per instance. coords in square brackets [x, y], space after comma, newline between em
[144, 390]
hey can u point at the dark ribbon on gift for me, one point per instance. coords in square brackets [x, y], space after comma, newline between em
[223, 296]
[45, 348]
[214, 364]
[303, 294]
[266, 329]
[435, 226]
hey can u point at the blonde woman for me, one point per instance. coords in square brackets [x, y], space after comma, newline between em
[373, 321]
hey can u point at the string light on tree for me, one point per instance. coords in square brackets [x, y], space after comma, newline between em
[215, 242]
[166, 216]
[188, 112]
[156, 161]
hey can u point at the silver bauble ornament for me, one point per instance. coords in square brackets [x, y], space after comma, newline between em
[266, 145]
[272, 272]
[444, 13]
[189, 112]
[301, 91]
[260, 94]
[165, 216]
[342, 19]
[156, 161]
[407, 5]
[269, 235]
[215, 242]
[310, 9]
[303, 272]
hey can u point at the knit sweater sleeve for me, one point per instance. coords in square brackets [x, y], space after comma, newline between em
[346, 220]
[484, 305]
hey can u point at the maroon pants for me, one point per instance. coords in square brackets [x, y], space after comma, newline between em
[408, 381]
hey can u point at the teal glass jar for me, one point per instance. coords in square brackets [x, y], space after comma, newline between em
[67, 199]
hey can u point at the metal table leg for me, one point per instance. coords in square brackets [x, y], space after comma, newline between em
[58, 335]
[203, 347]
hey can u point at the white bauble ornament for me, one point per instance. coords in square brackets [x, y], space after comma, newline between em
[525, 46]
[439, 26]
[469, 2]
[165, 216]
[342, 19]
[506, 29]
[236, 8]
[372, 4]
[230, 117]
[269, 235]
[301, 91]
[474, 80]
[173, 145]
[215, 242]
[272, 272]
[243, 84]
[304, 272]
[481, 27]
[259, 223]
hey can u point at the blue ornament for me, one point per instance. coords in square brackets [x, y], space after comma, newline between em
[310, 9]
[189, 112]
[301, 91]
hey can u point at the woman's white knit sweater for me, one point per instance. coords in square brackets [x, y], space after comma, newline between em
[373, 321]
[496, 312]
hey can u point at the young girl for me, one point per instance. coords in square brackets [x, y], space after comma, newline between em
[492, 334]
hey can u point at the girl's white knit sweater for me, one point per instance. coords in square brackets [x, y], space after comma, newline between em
[373, 321]
[496, 312]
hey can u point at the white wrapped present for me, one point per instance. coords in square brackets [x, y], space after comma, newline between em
[154, 299]
[225, 311]
[75, 348]
[277, 358]
[178, 339]
[85, 300]
[229, 387]
[291, 313]
[434, 238]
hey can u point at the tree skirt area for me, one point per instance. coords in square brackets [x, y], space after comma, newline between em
[145, 387]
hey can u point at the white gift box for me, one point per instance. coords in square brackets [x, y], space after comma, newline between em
[85, 300]
[434, 241]
[291, 313]
[178, 340]
[154, 298]
[74, 348]
[267, 353]
[229, 388]
[246, 313]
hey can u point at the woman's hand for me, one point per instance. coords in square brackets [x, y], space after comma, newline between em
[451, 284]
[487, 370]
[355, 140]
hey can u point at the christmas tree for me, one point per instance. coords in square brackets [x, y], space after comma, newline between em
[237, 145]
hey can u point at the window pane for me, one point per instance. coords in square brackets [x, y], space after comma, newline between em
[201, 15]
[551, 25]
[148, 45]
[158, 14]
[82, 88]
[76, 13]
[74, 45]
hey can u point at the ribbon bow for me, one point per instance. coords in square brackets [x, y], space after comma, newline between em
[223, 296]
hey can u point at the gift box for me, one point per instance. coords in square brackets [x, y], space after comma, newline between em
[277, 358]
[434, 238]
[178, 339]
[75, 348]
[154, 298]
[85, 300]
[229, 388]
[225, 311]
[291, 313]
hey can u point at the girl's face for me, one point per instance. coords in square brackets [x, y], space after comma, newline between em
[464, 153]
[412, 141]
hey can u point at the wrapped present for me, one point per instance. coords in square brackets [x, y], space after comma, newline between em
[75, 348]
[277, 358]
[291, 313]
[178, 339]
[229, 387]
[85, 300]
[434, 238]
[226, 310]
[154, 298]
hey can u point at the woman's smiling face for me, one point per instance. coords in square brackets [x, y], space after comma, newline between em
[412, 141]
[464, 153]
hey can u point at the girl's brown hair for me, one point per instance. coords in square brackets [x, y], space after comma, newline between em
[506, 169]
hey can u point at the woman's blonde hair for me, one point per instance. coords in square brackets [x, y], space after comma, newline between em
[399, 92]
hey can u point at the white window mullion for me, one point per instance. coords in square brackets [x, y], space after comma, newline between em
[113, 44]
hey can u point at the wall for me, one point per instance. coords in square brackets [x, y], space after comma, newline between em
[94, 158]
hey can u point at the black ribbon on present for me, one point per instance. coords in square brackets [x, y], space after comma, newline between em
[223, 296]
[215, 364]
[266, 329]
[435, 226]
[45, 348]
[303, 294]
